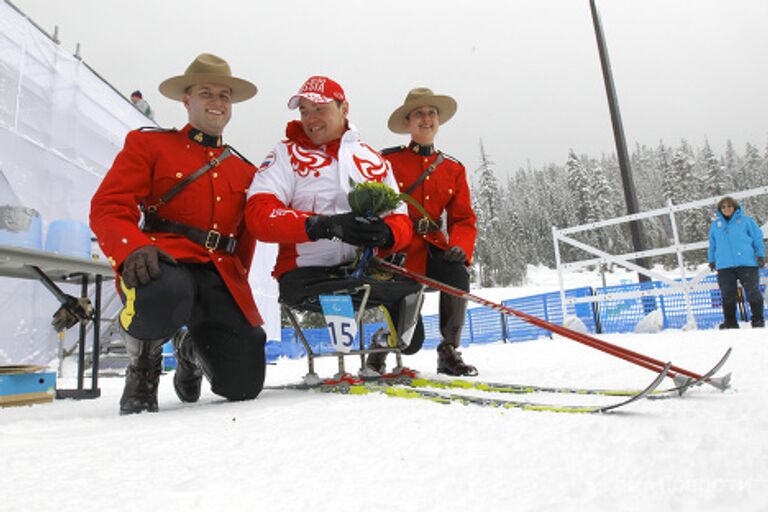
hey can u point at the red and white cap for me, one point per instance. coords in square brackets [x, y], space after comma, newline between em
[318, 89]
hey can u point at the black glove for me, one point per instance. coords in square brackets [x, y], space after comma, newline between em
[760, 261]
[75, 310]
[455, 254]
[350, 228]
[143, 265]
[712, 266]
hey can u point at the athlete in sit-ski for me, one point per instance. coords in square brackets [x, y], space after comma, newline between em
[299, 200]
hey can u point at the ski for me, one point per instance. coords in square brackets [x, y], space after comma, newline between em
[411, 388]
[521, 389]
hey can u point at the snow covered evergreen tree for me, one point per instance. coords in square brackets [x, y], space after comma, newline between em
[668, 182]
[730, 166]
[751, 172]
[578, 187]
[693, 225]
[496, 256]
[713, 172]
[752, 175]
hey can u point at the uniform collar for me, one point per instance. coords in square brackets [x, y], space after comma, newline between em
[422, 149]
[212, 141]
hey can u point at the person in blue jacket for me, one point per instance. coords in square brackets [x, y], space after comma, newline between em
[736, 250]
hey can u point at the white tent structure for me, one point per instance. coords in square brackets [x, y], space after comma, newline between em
[61, 126]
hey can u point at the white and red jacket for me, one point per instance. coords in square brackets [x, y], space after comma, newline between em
[297, 180]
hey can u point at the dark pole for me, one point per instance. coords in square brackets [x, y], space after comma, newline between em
[630, 196]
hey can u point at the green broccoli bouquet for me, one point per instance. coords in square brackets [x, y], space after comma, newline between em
[372, 198]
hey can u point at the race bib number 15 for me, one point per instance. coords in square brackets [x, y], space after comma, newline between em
[340, 318]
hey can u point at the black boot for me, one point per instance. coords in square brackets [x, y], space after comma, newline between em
[453, 311]
[449, 362]
[188, 377]
[756, 308]
[142, 375]
[729, 313]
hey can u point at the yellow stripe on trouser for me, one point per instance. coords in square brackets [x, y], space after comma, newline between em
[128, 312]
[392, 338]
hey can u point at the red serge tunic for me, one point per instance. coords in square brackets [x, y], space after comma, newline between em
[446, 189]
[150, 164]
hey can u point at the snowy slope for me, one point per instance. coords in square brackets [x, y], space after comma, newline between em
[293, 450]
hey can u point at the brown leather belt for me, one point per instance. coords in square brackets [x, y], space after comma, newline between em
[211, 240]
[424, 225]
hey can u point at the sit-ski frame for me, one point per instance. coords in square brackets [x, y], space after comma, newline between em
[311, 377]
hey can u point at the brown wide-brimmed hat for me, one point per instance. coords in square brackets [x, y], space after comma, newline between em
[207, 69]
[421, 97]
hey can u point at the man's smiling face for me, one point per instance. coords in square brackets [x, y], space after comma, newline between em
[323, 122]
[209, 107]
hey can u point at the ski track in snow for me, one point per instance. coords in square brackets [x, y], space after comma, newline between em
[296, 450]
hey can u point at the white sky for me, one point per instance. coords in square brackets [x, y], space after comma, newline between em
[525, 73]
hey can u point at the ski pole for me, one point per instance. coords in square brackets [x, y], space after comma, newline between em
[609, 348]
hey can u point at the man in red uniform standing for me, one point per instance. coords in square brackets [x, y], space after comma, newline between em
[188, 262]
[438, 183]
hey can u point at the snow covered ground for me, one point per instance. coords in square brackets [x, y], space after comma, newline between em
[294, 450]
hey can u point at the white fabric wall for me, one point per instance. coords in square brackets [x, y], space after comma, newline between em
[60, 129]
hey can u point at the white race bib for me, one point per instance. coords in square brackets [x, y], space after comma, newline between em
[340, 318]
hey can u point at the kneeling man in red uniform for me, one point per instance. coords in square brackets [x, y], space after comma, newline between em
[183, 272]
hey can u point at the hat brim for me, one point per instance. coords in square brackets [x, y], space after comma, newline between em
[175, 87]
[293, 103]
[445, 105]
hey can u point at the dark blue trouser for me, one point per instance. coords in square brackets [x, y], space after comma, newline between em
[227, 347]
[750, 279]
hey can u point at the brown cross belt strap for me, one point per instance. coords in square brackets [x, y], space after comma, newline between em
[426, 173]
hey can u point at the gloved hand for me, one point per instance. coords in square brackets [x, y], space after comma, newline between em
[143, 265]
[455, 254]
[76, 310]
[760, 261]
[350, 228]
[712, 266]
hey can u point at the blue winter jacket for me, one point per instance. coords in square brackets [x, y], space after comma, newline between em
[736, 242]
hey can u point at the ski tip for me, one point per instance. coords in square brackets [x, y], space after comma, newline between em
[721, 383]
[642, 394]
[682, 383]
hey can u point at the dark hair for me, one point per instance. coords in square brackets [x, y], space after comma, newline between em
[727, 200]
[136, 93]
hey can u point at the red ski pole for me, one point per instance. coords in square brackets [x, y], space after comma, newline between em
[609, 348]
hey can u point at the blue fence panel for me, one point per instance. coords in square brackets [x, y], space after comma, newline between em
[484, 326]
[705, 306]
[763, 273]
[520, 330]
[622, 315]
[583, 311]
[432, 335]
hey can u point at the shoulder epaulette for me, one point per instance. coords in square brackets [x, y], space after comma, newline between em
[157, 129]
[236, 152]
[451, 158]
[393, 149]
